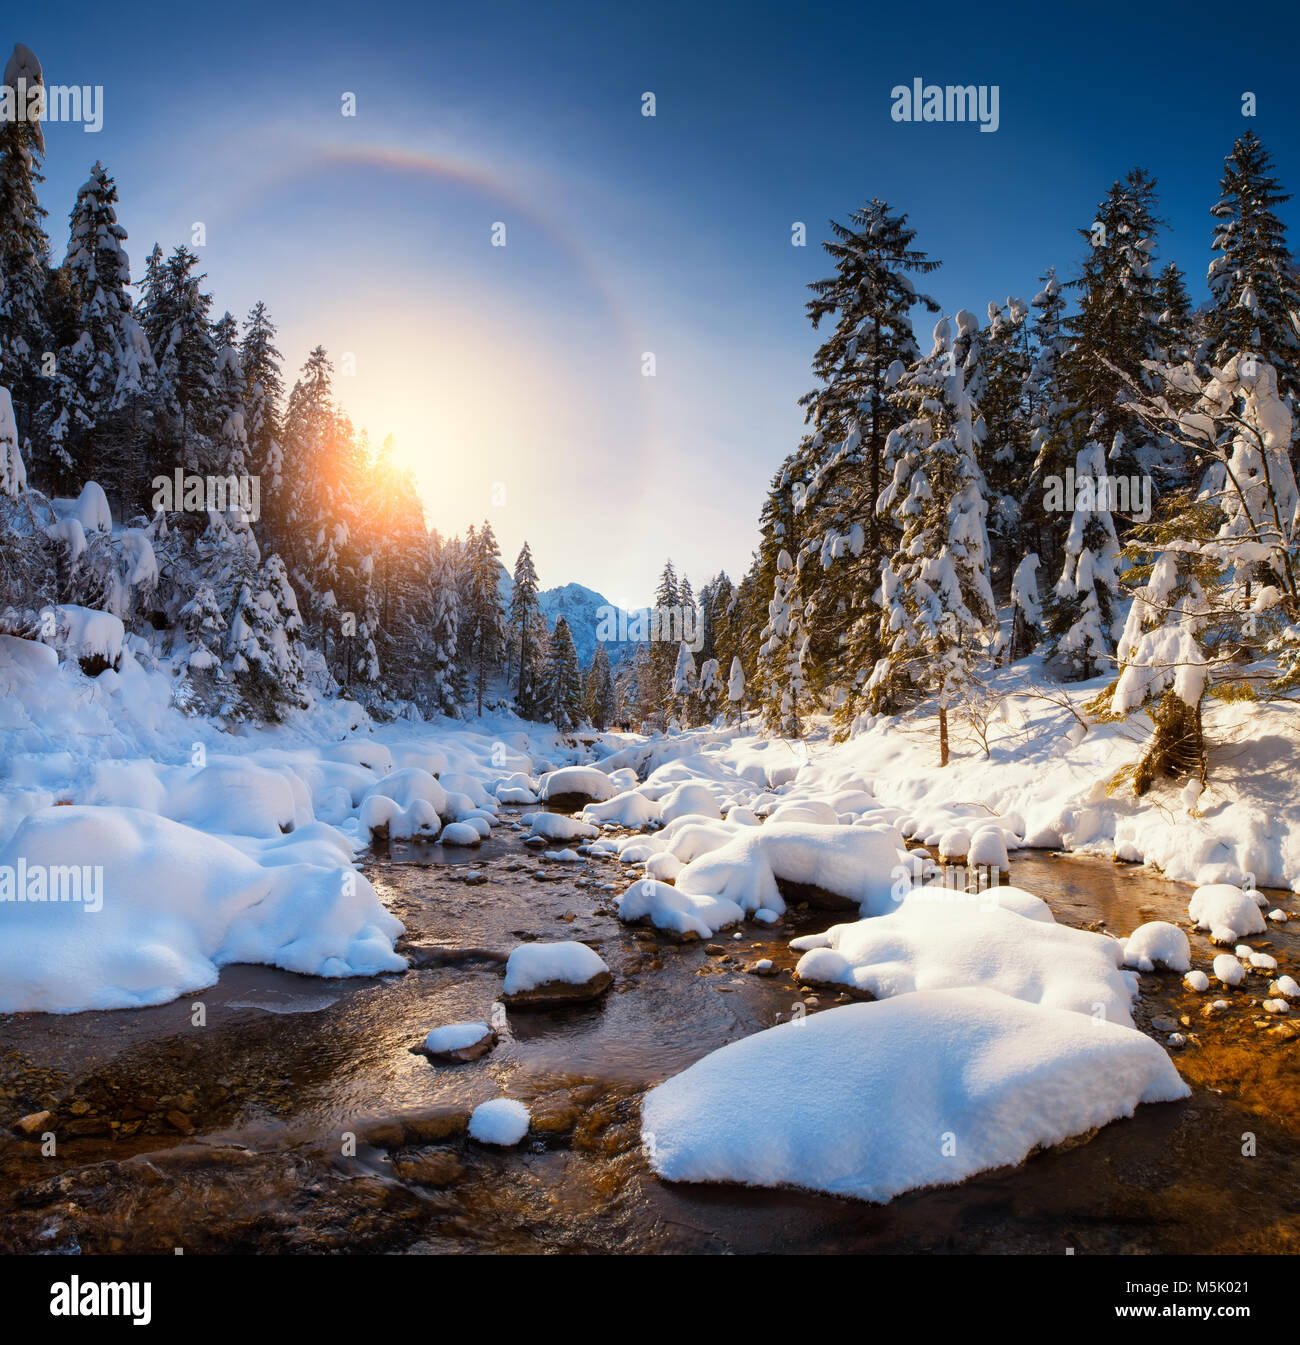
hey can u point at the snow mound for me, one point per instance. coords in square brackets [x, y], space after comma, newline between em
[1226, 911]
[1158, 944]
[871, 1100]
[176, 906]
[853, 863]
[630, 809]
[937, 946]
[1001, 895]
[560, 827]
[583, 781]
[460, 833]
[678, 912]
[689, 801]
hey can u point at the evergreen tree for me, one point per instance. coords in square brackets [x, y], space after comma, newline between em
[444, 691]
[840, 468]
[736, 687]
[263, 389]
[1117, 328]
[24, 252]
[784, 652]
[1252, 279]
[230, 448]
[483, 621]
[937, 605]
[1086, 595]
[683, 685]
[710, 691]
[1177, 322]
[87, 389]
[598, 698]
[1003, 446]
[524, 611]
[564, 679]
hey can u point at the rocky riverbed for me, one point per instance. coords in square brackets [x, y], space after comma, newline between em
[275, 1112]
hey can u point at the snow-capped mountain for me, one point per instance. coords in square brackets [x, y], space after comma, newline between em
[584, 609]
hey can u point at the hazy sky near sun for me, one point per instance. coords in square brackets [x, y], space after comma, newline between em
[511, 377]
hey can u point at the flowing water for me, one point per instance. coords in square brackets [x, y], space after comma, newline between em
[296, 1118]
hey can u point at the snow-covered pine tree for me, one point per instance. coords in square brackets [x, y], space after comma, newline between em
[665, 632]
[1253, 281]
[1026, 610]
[736, 688]
[229, 416]
[710, 692]
[483, 620]
[443, 671]
[564, 679]
[840, 466]
[24, 255]
[1003, 448]
[683, 686]
[185, 353]
[263, 390]
[784, 652]
[85, 391]
[1082, 642]
[524, 611]
[1229, 584]
[599, 701]
[1178, 337]
[1117, 328]
[937, 605]
[1047, 402]
[203, 626]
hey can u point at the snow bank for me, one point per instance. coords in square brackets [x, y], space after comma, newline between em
[871, 1100]
[177, 905]
[853, 863]
[630, 809]
[938, 946]
[677, 912]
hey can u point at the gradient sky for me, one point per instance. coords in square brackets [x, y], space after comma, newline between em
[520, 367]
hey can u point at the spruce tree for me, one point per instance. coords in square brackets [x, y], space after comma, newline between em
[564, 679]
[483, 622]
[524, 611]
[1252, 279]
[24, 254]
[936, 602]
[840, 469]
[599, 701]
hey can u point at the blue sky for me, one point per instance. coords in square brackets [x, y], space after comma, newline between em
[511, 377]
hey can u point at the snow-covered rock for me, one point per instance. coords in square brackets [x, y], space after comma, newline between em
[1226, 911]
[576, 784]
[542, 975]
[871, 1100]
[458, 1042]
[503, 1122]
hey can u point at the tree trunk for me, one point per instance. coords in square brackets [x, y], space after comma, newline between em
[943, 735]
